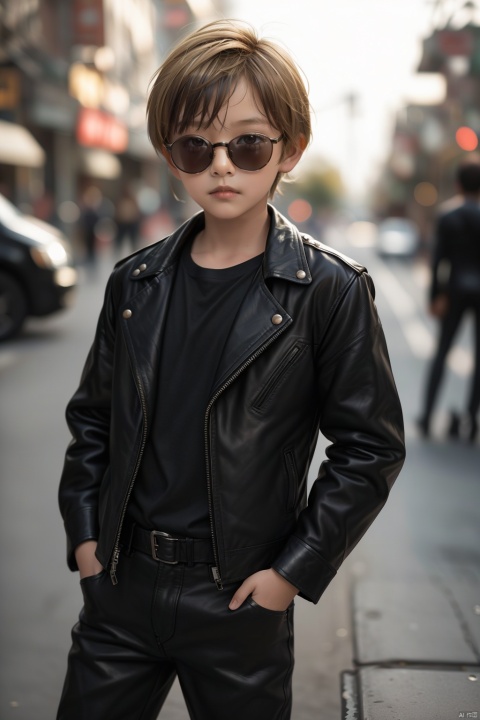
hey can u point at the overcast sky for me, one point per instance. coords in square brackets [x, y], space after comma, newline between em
[369, 47]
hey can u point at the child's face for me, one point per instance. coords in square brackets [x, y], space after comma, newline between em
[224, 190]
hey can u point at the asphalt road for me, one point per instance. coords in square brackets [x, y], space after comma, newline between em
[430, 524]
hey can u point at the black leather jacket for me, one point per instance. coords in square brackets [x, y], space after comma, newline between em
[306, 352]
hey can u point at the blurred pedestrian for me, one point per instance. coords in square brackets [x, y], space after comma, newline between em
[220, 353]
[90, 214]
[455, 289]
[127, 218]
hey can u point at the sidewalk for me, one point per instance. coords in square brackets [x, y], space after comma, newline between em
[416, 650]
[417, 631]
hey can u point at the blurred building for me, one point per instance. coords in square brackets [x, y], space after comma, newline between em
[430, 140]
[73, 84]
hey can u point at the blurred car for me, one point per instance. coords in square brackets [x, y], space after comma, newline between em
[37, 276]
[398, 237]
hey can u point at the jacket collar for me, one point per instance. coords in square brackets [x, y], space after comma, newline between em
[284, 253]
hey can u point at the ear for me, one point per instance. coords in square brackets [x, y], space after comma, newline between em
[293, 156]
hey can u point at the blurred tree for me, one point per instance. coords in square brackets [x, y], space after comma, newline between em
[322, 188]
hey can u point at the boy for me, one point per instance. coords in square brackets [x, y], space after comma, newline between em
[219, 353]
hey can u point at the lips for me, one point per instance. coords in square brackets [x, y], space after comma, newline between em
[224, 190]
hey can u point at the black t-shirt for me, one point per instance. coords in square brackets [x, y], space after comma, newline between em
[170, 492]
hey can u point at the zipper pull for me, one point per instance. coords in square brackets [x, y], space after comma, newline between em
[113, 566]
[217, 578]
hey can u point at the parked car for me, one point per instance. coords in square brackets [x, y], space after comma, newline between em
[397, 236]
[37, 276]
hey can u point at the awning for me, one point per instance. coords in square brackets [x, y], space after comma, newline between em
[100, 164]
[19, 147]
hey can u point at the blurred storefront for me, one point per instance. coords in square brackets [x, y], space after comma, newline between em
[74, 78]
[430, 140]
[33, 66]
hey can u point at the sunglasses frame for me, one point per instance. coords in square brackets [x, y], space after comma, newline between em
[212, 146]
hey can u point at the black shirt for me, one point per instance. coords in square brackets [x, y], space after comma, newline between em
[170, 492]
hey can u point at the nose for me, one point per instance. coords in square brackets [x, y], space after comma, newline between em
[221, 163]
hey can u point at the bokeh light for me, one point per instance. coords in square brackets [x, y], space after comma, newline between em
[68, 211]
[466, 138]
[300, 210]
[425, 194]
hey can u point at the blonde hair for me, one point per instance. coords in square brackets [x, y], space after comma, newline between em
[200, 74]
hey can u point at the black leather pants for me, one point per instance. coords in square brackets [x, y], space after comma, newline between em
[162, 620]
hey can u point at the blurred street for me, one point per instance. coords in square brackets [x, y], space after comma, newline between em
[424, 545]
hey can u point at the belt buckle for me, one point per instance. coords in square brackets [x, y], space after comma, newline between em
[154, 544]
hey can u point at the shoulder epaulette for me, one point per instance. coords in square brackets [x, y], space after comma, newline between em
[308, 240]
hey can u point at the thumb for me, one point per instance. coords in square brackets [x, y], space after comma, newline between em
[245, 589]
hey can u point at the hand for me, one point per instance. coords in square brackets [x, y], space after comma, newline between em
[86, 559]
[268, 588]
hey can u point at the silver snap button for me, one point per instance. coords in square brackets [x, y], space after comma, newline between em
[301, 274]
[142, 267]
[136, 272]
[127, 314]
[277, 319]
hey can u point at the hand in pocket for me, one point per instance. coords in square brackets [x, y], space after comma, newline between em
[86, 559]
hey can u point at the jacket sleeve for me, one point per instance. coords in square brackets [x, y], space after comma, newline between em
[88, 419]
[360, 414]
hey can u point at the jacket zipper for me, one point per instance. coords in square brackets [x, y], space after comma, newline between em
[216, 569]
[116, 549]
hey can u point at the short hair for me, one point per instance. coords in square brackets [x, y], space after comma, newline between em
[468, 176]
[200, 74]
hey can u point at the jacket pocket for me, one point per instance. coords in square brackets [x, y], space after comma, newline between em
[292, 479]
[280, 373]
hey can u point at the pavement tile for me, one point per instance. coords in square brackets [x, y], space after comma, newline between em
[418, 694]
[418, 622]
[466, 599]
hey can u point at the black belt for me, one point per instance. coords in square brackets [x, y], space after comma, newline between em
[167, 548]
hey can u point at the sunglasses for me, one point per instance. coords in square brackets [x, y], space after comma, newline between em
[193, 154]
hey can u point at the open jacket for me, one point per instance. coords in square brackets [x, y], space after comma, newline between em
[306, 352]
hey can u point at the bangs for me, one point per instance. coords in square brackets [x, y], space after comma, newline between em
[201, 100]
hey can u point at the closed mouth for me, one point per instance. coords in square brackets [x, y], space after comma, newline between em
[223, 189]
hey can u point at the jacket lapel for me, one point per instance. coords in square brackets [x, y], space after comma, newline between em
[261, 317]
[148, 298]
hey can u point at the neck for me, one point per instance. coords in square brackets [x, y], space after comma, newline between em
[224, 242]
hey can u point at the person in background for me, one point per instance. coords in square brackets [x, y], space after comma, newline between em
[455, 290]
[127, 218]
[90, 215]
[220, 353]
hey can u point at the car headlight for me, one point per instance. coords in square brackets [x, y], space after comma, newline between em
[50, 255]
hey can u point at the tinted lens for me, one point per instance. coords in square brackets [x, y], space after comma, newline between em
[191, 154]
[250, 152]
